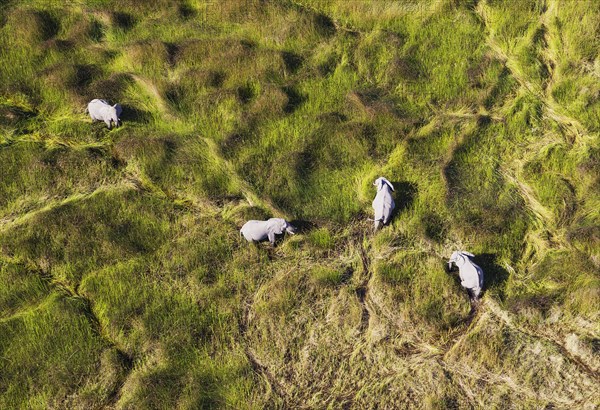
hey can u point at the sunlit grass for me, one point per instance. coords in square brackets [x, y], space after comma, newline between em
[125, 282]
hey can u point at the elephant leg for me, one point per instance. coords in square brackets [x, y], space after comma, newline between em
[271, 236]
[376, 225]
[470, 293]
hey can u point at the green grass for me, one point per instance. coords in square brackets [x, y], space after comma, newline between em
[125, 282]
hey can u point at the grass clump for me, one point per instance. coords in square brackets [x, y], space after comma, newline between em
[25, 288]
[329, 276]
[125, 282]
[72, 239]
[321, 238]
[59, 332]
[177, 164]
[548, 287]
[42, 25]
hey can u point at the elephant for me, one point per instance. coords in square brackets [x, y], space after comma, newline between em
[471, 275]
[383, 204]
[103, 111]
[255, 231]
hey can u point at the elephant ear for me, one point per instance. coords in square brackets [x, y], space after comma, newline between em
[283, 225]
[276, 225]
[118, 109]
[388, 182]
[469, 254]
[379, 183]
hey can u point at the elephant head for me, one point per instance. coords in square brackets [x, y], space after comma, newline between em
[381, 182]
[280, 225]
[459, 258]
[112, 116]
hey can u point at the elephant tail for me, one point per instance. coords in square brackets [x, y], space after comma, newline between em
[376, 223]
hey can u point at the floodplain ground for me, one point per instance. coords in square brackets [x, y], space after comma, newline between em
[124, 282]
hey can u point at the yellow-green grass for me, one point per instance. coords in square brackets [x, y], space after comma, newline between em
[124, 282]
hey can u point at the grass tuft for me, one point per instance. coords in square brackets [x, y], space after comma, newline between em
[124, 282]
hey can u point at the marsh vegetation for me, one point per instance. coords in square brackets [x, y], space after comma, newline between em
[123, 279]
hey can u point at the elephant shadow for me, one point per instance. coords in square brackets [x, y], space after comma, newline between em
[303, 226]
[132, 114]
[404, 195]
[494, 275]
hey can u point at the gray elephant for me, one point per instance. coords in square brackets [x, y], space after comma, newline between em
[383, 204]
[102, 111]
[471, 275]
[260, 230]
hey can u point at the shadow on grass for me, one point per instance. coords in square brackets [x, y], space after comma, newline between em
[48, 25]
[346, 275]
[135, 115]
[186, 11]
[494, 275]
[325, 25]
[111, 88]
[292, 61]
[124, 21]
[216, 78]
[13, 115]
[404, 195]
[84, 75]
[295, 99]
[303, 226]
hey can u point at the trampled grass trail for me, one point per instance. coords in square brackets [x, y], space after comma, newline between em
[124, 276]
[8, 222]
[213, 149]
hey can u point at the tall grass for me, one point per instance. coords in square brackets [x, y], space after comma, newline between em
[125, 282]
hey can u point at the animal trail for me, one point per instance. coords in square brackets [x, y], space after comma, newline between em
[243, 186]
[570, 126]
[257, 366]
[504, 316]
[11, 221]
[363, 290]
